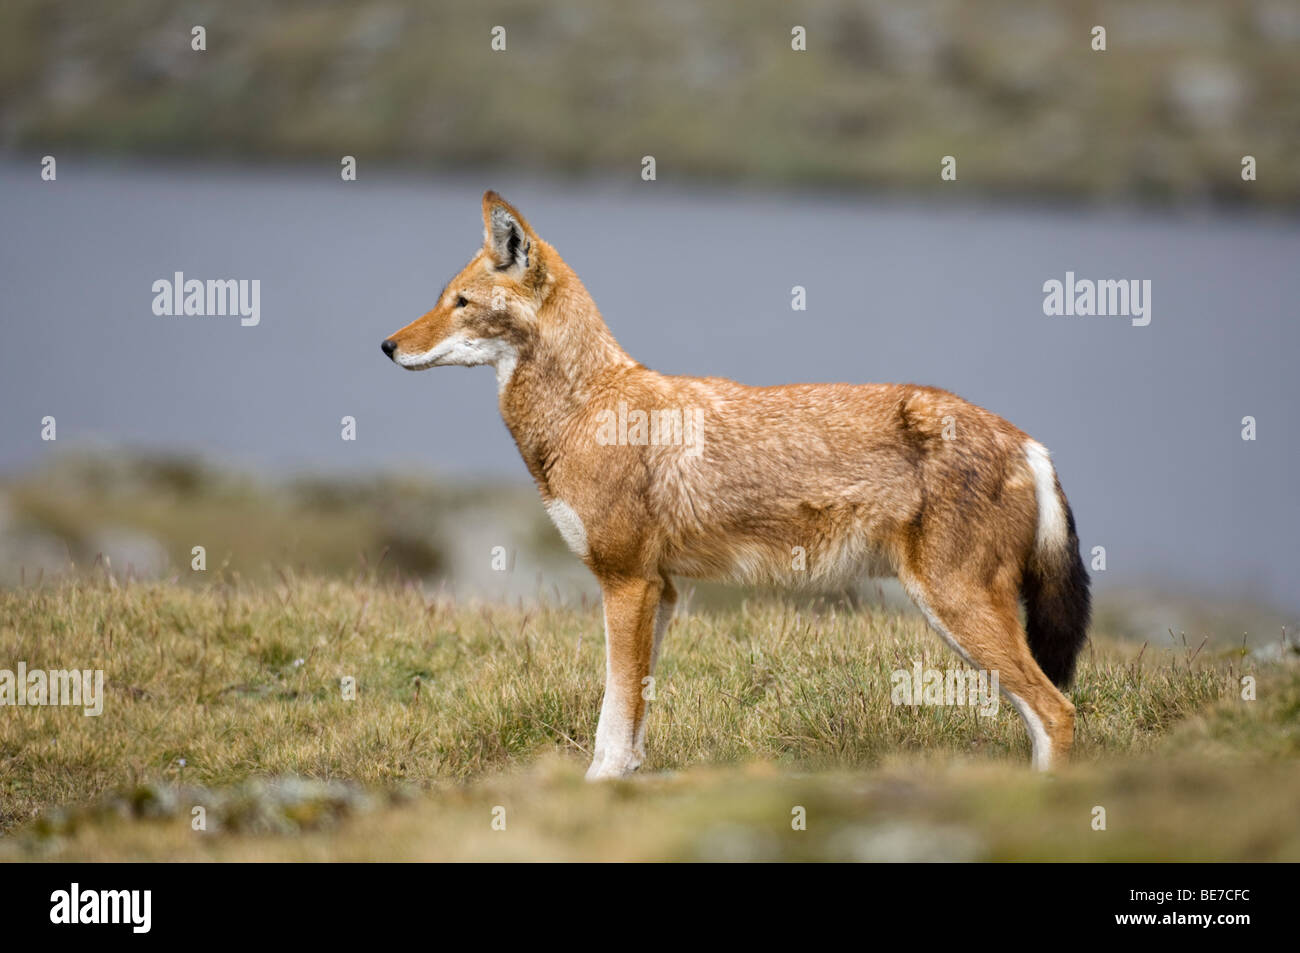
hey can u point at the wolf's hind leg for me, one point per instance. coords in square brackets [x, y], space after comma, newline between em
[983, 627]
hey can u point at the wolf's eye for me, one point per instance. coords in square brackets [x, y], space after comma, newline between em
[461, 301]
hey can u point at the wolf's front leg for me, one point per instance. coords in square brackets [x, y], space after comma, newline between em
[630, 609]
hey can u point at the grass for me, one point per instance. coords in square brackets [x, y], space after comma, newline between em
[229, 697]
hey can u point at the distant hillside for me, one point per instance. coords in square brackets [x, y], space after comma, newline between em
[884, 90]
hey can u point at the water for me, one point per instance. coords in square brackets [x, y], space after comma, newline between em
[1144, 422]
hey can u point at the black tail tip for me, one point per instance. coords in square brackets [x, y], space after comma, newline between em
[1058, 605]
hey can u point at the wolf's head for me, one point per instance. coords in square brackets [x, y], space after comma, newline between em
[488, 314]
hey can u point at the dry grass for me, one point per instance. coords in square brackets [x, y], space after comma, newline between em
[463, 707]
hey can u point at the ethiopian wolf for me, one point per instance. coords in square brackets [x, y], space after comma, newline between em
[855, 479]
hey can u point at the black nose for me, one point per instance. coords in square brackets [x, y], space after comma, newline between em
[389, 346]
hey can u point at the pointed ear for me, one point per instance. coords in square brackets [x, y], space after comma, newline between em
[506, 236]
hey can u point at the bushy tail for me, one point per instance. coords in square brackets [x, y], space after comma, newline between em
[1055, 587]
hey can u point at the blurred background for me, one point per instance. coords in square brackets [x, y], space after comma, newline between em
[774, 168]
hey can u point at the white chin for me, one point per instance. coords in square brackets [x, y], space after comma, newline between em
[415, 364]
[458, 351]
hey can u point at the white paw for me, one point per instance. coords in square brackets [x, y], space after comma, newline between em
[613, 764]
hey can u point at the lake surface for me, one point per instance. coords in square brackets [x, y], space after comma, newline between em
[1144, 422]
